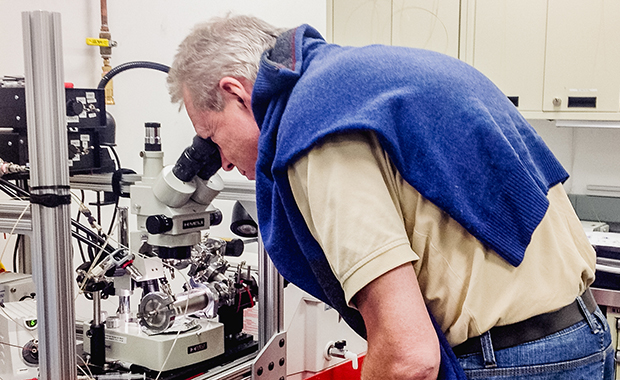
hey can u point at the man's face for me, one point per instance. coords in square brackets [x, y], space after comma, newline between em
[234, 130]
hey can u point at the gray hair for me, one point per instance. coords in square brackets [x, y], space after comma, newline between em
[226, 46]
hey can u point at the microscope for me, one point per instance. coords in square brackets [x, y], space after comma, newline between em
[202, 324]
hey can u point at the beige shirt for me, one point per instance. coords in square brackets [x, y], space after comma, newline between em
[368, 220]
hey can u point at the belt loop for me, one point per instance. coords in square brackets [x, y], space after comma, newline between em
[487, 350]
[589, 317]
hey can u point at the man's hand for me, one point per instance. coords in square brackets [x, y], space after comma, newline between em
[402, 343]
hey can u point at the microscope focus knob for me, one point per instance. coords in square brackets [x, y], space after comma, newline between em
[158, 224]
[74, 107]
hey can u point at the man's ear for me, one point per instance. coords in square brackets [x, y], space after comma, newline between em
[239, 90]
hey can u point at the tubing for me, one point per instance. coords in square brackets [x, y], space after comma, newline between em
[131, 65]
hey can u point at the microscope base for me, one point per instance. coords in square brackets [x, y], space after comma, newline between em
[130, 344]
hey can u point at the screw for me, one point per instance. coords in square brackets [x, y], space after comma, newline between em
[18, 118]
[10, 143]
[16, 97]
[557, 102]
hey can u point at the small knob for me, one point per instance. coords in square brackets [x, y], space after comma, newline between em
[74, 108]
[234, 247]
[557, 101]
[215, 218]
[158, 224]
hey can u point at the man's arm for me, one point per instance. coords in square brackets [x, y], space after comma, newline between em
[347, 192]
[402, 343]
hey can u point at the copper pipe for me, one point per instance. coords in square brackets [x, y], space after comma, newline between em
[104, 16]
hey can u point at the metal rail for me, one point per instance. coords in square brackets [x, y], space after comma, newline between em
[52, 258]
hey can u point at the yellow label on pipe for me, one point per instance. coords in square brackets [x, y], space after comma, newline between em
[98, 42]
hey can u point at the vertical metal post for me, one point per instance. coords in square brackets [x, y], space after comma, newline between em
[24, 258]
[270, 298]
[52, 258]
[124, 302]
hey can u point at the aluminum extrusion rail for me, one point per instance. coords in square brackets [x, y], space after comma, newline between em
[15, 216]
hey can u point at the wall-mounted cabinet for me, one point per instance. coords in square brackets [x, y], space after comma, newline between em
[427, 24]
[582, 61]
[556, 59]
[508, 46]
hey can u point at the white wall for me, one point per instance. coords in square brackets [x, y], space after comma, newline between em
[590, 155]
[145, 30]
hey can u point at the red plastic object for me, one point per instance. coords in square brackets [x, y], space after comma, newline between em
[342, 371]
[68, 85]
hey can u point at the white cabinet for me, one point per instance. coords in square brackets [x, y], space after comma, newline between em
[359, 23]
[427, 24]
[509, 48]
[559, 58]
[556, 59]
[582, 64]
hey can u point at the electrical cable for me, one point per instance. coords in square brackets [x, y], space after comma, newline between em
[117, 196]
[87, 367]
[17, 190]
[77, 219]
[96, 238]
[131, 65]
[13, 230]
[15, 251]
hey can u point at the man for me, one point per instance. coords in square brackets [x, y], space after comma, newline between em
[392, 182]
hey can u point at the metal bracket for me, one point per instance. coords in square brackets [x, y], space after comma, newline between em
[270, 364]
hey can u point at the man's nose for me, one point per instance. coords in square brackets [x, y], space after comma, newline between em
[226, 165]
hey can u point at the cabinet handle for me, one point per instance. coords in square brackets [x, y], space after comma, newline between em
[582, 102]
[514, 100]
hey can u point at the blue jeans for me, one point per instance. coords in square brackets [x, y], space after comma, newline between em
[582, 351]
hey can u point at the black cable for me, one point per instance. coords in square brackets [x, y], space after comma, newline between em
[95, 237]
[92, 239]
[113, 215]
[17, 241]
[17, 191]
[9, 192]
[131, 65]
[116, 196]
[118, 160]
[77, 219]
[89, 243]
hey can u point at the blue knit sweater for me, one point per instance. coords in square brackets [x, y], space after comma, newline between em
[450, 132]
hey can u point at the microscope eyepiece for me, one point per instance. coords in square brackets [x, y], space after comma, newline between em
[201, 158]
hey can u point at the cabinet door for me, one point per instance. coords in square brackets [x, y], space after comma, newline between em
[359, 22]
[583, 56]
[427, 24]
[509, 48]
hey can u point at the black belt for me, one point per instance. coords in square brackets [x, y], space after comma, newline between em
[531, 329]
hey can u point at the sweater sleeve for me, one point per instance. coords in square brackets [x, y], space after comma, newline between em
[345, 189]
